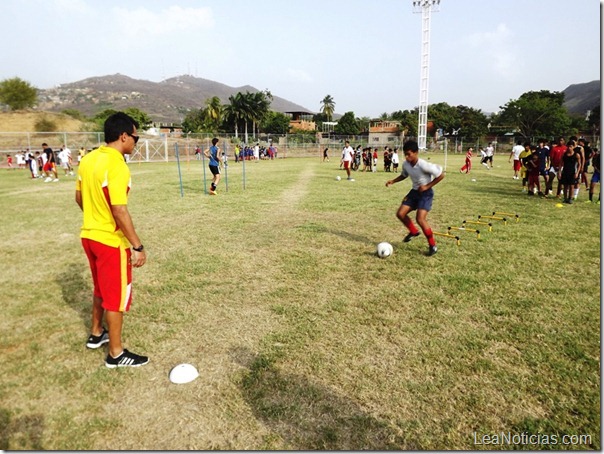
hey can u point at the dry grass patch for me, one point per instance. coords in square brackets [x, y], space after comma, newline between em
[304, 339]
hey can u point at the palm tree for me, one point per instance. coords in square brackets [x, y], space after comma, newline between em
[328, 107]
[234, 111]
[213, 111]
[261, 103]
[247, 110]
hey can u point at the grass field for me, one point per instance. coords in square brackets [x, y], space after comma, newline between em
[303, 338]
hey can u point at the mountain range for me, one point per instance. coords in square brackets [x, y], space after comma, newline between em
[165, 102]
[579, 98]
[170, 100]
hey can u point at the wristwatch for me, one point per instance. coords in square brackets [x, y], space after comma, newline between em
[139, 249]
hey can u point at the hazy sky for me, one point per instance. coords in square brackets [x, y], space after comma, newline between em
[364, 53]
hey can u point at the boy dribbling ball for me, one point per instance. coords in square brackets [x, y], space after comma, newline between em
[424, 176]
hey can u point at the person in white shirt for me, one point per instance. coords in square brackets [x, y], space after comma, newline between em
[395, 160]
[68, 159]
[516, 150]
[489, 151]
[347, 157]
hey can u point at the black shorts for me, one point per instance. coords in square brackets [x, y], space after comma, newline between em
[215, 170]
[568, 179]
[419, 200]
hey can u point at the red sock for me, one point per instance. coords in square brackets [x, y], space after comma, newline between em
[409, 224]
[430, 236]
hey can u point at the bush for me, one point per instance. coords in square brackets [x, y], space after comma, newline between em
[45, 124]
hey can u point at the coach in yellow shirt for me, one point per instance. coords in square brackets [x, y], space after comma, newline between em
[107, 234]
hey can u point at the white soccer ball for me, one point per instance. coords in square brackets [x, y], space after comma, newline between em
[338, 178]
[183, 373]
[384, 250]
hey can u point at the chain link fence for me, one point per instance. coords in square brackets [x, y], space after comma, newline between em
[158, 148]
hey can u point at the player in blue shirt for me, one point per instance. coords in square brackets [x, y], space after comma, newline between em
[213, 154]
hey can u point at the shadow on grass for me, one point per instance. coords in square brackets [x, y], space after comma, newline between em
[309, 416]
[22, 433]
[76, 291]
[318, 228]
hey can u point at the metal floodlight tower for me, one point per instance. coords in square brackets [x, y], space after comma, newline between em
[425, 7]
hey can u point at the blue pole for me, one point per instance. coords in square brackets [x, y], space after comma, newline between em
[179, 173]
[226, 167]
[203, 163]
[244, 169]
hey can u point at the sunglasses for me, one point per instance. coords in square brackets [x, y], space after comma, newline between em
[134, 137]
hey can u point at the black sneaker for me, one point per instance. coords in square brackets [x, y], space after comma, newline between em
[98, 341]
[432, 250]
[409, 237]
[126, 359]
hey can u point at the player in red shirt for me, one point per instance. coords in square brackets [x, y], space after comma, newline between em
[468, 165]
[555, 159]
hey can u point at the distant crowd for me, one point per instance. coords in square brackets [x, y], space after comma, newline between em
[247, 153]
[369, 158]
[45, 164]
[565, 162]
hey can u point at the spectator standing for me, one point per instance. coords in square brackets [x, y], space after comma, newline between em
[555, 160]
[107, 234]
[569, 172]
[587, 152]
[516, 150]
[395, 160]
[595, 178]
[347, 157]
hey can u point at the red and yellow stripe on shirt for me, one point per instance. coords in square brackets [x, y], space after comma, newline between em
[104, 181]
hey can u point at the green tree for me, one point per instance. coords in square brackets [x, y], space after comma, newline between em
[212, 114]
[144, 120]
[74, 113]
[260, 103]
[347, 125]
[194, 121]
[409, 120]
[99, 118]
[17, 93]
[536, 114]
[328, 107]
[364, 123]
[444, 117]
[234, 113]
[275, 123]
[473, 122]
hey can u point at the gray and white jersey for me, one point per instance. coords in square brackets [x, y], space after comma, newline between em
[421, 173]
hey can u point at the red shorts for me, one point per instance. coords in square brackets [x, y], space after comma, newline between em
[517, 165]
[111, 274]
[47, 167]
[346, 165]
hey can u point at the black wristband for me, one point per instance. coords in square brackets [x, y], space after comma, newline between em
[139, 249]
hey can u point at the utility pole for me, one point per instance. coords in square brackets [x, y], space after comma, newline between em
[425, 7]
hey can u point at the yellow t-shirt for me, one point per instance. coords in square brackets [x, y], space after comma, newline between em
[104, 180]
[523, 155]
